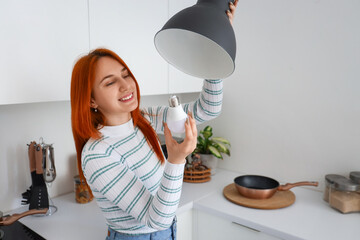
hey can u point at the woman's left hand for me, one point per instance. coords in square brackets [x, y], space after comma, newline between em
[177, 152]
[231, 12]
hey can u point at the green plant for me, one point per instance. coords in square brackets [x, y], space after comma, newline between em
[206, 144]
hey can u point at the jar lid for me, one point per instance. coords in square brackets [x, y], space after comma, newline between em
[330, 178]
[344, 184]
[355, 177]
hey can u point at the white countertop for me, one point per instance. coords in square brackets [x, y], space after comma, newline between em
[308, 218]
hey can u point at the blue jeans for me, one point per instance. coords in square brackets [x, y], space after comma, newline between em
[167, 234]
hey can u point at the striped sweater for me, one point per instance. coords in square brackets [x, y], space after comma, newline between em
[136, 193]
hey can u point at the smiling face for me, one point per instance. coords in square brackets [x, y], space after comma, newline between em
[114, 91]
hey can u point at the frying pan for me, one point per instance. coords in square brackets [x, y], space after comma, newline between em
[261, 187]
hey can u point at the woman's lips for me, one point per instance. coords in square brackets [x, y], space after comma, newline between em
[127, 98]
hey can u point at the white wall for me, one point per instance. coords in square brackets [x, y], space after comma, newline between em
[292, 107]
[19, 125]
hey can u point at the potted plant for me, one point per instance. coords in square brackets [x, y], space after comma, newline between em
[211, 148]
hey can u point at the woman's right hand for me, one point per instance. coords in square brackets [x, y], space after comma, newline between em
[231, 12]
[178, 152]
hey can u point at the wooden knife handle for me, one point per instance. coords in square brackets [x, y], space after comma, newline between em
[39, 159]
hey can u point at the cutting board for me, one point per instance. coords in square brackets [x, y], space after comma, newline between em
[280, 199]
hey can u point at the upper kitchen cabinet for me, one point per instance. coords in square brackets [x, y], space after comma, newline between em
[39, 43]
[128, 28]
[180, 82]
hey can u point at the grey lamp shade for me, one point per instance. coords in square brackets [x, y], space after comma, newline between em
[199, 40]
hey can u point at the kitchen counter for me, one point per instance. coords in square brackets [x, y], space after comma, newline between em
[308, 218]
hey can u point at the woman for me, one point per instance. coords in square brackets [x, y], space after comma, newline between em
[118, 152]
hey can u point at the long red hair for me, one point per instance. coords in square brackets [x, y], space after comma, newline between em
[84, 120]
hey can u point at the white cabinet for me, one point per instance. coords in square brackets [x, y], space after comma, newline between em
[180, 82]
[41, 40]
[198, 225]
[211, 227]
[128, 28]
[185, 225]
[39, 43]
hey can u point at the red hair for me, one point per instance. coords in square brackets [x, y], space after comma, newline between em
[84, 121]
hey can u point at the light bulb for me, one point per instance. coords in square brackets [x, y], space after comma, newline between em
[176, 116]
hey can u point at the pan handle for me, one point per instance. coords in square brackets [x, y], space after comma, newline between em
[291, 185]
[11, 219]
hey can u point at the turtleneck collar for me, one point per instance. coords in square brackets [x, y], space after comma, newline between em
[118, 130]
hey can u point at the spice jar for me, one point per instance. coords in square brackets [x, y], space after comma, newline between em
[342, 193]
[329, 181]
[82, 192]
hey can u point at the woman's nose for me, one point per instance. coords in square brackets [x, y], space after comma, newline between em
[124, 85]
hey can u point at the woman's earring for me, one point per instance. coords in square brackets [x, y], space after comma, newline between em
[95, 110]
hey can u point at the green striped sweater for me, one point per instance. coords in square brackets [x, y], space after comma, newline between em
[135, 192]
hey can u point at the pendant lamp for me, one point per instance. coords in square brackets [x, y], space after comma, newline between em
[199, 40]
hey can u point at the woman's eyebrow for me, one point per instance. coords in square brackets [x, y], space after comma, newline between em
[108, 76]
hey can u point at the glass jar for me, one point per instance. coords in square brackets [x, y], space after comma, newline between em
[342, 193]
[82, 192]
[329, 181]
[355, 177]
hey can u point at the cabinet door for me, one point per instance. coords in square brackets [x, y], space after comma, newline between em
[211, 227]
[39, 43]
[180, 82]
[184, 225]
[128, 28]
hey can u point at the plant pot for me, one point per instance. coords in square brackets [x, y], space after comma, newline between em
[197, 176]
[210, 161]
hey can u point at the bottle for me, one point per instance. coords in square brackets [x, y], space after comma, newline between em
[82, 193]
[176, 116]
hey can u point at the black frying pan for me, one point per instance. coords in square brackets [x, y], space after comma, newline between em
[261, 187]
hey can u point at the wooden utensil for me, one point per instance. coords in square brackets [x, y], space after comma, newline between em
[12, 218]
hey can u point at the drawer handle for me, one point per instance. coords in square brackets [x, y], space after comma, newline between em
[253, 229]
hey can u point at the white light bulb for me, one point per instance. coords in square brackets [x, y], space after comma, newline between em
[176, 116]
